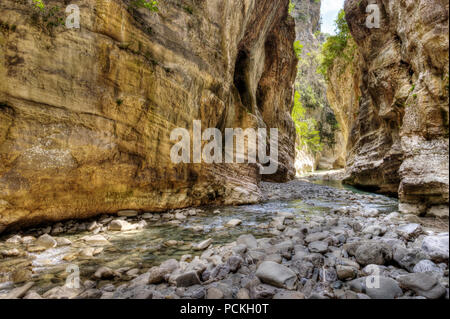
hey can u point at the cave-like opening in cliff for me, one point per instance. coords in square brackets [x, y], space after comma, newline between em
[241, 80]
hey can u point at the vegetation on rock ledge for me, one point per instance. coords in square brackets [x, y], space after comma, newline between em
[339, 46]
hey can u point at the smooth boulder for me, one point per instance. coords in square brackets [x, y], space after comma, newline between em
[277, 275]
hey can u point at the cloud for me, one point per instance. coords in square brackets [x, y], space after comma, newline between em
[329, 11]
[332, 6]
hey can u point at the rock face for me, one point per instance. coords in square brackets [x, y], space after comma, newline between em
[392, 102]
[312, 89]
[86, 114]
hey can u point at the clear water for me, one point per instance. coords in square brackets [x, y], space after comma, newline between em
[145, 248]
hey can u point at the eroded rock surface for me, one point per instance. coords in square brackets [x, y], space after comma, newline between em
[86, 114]
[392, 102]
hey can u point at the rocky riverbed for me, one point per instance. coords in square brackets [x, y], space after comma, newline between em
[304, 241]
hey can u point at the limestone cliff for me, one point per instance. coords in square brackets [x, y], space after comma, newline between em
[392, 102]
[86, 114]
[312, 88]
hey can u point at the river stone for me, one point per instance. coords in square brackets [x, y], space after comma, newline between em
[120, 225]
[347, 262]
[28, 240]
[16, 239]
[242, 294]
[180, 216]
[10, 252]
[285, 249]
[61, 241]
[198, 228]
[439, 211]
[345, 272]
[63, 292]
[203, 245]
[407, 258]
[287, 294]
[388, 287]
[18, 292]
[375, 230]
[318, 247]
[21, 275]
[155, 276]
[169, 266]
[426, 266]
[46, 241]
[90, 294]
[95, 240]
[369, 212]
[105, 273]
[248, 240]
[255, 256]
[127, 213]
[373, 253]
[437, 247]
[409, 231]
[234, 263]
[262, 292]
[277, 275]
[87, 252]
[188, 279]
[33, 295]
[423, 284]
[214, 293]
[233, 223]
[316, 237]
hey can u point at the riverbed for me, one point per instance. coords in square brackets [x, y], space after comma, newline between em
[171, 235]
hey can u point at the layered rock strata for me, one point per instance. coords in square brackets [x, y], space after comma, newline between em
[86, 114]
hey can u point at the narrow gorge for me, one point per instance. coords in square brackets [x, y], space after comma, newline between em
[96, 95]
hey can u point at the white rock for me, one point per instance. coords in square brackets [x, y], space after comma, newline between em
[61, 241]
[409, 231]
[96, 240]
[438, 211]
[233, 223]
[120, 225]
[437, 247]
[180, 216]
[46, 241]
[203, 245]
[16, 239]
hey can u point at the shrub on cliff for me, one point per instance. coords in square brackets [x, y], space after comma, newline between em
[339, 46]
[306, 128]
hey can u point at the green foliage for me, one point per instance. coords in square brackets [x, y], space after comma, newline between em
[148, 4]
[331, 119]
[298, 48]
[309, 98]
[39, 4]
[337, 46]
[306, 129]
[47, 18]
[189, 10]
[291, 7]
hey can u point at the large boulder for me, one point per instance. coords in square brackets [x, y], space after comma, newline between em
[377, 253]
[437, 247]
[277, 275]
[423, 284]
[377, 287]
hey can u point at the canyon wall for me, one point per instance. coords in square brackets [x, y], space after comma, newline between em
[86, 114]
[312, 88]
[392, 102]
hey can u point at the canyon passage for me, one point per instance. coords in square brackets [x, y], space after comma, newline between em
[93, 206]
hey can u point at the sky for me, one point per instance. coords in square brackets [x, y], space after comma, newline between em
[330, 9]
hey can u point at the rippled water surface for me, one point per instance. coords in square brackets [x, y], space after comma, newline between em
[145, 248]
